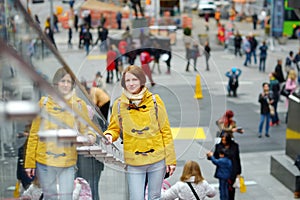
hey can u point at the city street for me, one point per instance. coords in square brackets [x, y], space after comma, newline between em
[189, 114]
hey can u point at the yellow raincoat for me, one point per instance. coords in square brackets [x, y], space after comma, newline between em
[142, 131]
[48, 152]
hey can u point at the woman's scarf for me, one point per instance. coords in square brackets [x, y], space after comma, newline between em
[135, 98]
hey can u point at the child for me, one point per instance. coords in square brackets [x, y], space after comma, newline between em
[223, 172]
[191, 183]
[34, 192]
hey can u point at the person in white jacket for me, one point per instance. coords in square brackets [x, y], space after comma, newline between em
[192, 176]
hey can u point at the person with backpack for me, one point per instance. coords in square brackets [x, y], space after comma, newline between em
[148, 143]
[87, 40]
[233, 82]
[55, 163]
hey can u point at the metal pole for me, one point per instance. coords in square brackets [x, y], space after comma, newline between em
[156, 14]
[51, 16]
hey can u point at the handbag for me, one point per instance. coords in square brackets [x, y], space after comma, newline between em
[272, 110]
[193, 190]
[285, 92]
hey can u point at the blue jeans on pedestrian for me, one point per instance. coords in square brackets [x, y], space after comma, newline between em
[275, 118]
[253, 53]
[248, 59]
[223, 188]
[87, 48]
[136, 177]
[262, 64]
[50, 176]
[263, 118]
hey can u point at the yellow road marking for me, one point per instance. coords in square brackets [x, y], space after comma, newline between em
[188, 133]
[96, 57]
[290, 134]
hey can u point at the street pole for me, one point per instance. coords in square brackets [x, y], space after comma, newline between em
[51, 16]
[156, 14]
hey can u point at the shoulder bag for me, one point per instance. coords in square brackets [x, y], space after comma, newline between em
[193, 190]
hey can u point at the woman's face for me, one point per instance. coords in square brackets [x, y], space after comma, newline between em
[132, 83]
[65, 85]
[223, 140]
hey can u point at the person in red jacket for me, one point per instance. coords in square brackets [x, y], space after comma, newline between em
[111, 56]
[122, 49]
[145, 59]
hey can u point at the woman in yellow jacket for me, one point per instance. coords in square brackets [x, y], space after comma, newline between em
[148, 143]
[52, 163]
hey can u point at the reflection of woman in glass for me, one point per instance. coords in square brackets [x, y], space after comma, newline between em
[148, 143]
[55, 164]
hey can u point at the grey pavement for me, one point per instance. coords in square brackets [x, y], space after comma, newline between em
[177, 91]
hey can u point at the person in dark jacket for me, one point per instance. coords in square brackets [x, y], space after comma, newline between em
[253, 44]
[278, 71]
[102, 36]
[275, 89]
[233, 80]
[237, 44]
[223, 171]
[233, 152]
[263, 56]
[265, 99]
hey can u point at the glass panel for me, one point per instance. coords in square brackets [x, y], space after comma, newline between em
[28, 64]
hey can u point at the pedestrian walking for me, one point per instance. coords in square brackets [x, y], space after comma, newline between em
[233, 80]
[233, 153]
[223, 171]
[297, 62]
[191, 179]
[289, 63]
[102, 37]
[254, 20]
[118, 62]
[76, 21]
[111, 56]
[253, 46]
[194, 54]
[187, 56]
[207, 54]
[266, 100]
[119, 20]
[54, 164]
[70, 33]
[263, 56]
[275, 89]
[87, 40]
[134, 5]
[217, 16]
[237, 44]
[48, 31]
[156, 52]
[206, 18]
[134, 114]
[145, 59]
[279, 72]
[247, 49]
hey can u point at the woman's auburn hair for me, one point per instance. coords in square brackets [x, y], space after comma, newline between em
[191, 168]
[59, 74]
[137, 72]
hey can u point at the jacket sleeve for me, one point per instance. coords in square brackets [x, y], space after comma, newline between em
[32, 141]
[165, 130]
[209, 190]
[114, 127]
[171, 193]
